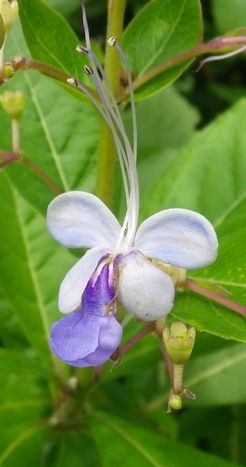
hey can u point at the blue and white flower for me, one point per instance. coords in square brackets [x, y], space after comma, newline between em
[118, 265]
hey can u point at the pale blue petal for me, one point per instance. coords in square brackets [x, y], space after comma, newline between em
[75, 281]
[179, 237]
[144, 290]
[81, 220]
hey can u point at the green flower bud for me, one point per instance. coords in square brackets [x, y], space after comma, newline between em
[8, 70]
[175, 402]
[9, 12]
[13, 103]
[179, 340]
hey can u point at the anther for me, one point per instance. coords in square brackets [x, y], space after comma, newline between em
[72, 82]
[82, 50]
[111, 41]
[87, 70]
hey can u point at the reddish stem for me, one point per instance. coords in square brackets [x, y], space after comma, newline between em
[146, 330]
[24, 63]
[192, 285]
[217, 44]
[166, 358]
[10, 157]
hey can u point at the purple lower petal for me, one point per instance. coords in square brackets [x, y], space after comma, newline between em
[109, 340]
[99, 291]
[88, 337]
[82, 339]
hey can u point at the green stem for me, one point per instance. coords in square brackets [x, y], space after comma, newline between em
[15, 123]
[106, 153]
[178, 372]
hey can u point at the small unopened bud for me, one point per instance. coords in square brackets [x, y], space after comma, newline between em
[174, 402]
[179, 340]
[8, 70]
[111, 41]
[13, 103]
[9, 12]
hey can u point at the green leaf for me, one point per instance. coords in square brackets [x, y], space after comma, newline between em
[23, 405]
[161, 30]
[32, 266]
[193, 181]
[49, 37]
[2, 32]
[233, 16]
[132, 445]
[76, 449]
[24, 363]
[214, 377]
[58, 133]
[158, 119]
[65, 8]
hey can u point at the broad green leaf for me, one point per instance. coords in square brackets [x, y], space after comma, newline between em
[2, 32]
[32, 265]
[214, 377]
[11, 334]
[133, 446]
[58, 133]
[161, 30]
[208, 176]
[229, 14]
[23, 406]
[24, 363]
[64, 7]
[49, 37]
[76, 449]
[158, 120]
[231, 418]
[26, 448]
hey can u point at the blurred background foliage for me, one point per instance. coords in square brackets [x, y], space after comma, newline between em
[54, 416]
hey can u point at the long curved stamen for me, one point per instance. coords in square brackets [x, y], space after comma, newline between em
[132, 210]
[111, 114]
[215, 58]
[130, 165]
[135, 192]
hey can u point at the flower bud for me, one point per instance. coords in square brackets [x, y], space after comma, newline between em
[175, 402]
[9, 12]
[179, 340]
[8, 70]
[13, 103]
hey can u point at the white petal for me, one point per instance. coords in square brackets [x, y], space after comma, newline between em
[78, 219]
[76, 280]
[179, 237]
[144, 290]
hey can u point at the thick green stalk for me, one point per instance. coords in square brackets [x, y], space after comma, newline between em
[106, 152]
